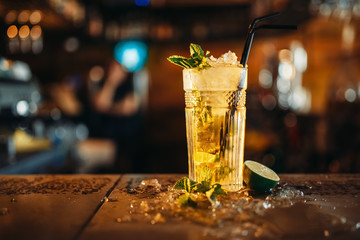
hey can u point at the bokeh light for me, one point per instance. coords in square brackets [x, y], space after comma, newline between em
[11, 17]
[286, 70]
[35, 17]
[268, 102]
[350, 95]
[22, 108]
[142, 3]
[35, 32]
[265, 78]
[285, 55]
[131, 54]
[300, 59]
[12, 31]
[283, 85]
[96, 73]
[71, 44]
[24, 16]
[24, 31]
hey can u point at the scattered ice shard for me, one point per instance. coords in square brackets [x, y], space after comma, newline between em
[150, 183]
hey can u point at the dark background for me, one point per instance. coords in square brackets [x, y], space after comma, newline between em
[321, 136]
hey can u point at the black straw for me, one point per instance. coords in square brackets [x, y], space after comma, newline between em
[288, 27]
[256, 20]
[253, 29]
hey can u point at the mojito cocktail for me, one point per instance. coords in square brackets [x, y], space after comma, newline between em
[215, 93]
[215, 121]
[215, 96]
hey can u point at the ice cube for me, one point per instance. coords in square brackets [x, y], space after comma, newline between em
[226, 58]
[151, 183]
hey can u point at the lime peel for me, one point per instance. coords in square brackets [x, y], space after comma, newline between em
[259, 177]
[262, 170]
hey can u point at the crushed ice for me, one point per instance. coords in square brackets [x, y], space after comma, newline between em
[154, 203]
[150, 183]
[226, 58]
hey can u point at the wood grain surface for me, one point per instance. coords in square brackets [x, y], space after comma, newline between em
[107, 207]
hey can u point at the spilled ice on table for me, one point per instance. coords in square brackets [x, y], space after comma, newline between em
[284, 213]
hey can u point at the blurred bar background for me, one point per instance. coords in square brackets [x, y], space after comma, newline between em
[85, 86]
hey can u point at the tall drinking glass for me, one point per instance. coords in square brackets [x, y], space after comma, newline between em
[215, 124]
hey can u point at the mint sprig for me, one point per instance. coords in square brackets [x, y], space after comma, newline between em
[185, 184]
[197, 58]
[191, 187]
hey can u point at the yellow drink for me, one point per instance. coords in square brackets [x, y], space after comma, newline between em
[215, 123]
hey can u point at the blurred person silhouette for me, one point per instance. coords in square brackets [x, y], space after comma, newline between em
[117, 116]
[116, 95]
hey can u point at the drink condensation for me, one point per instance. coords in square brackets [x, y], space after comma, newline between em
[215, 123]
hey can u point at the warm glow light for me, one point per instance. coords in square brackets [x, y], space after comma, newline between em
[96, 73]
[350, 95]
[285, 55]
[35, 17]
[10, 17]
[283, 100]
[5, 64]
[265, 78]
[71, 44]
[300, 59]
[24, 31]
[286, 70]
[283, 85]
[348, 36]
[297, 98]
[24, 16]
[12, 31]
[268, 102]
[35, 32]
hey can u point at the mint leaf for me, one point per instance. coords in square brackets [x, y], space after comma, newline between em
[180, 184]
[218, 190]
[191, 202]
[196, 50]
[191, 187]
[215, 190]
[207, 54]
[182, 61]
[203, 64]
[202, 187]
[190, 184]
[211, 196]
[197, 58]
[185, 200]
[185, 184]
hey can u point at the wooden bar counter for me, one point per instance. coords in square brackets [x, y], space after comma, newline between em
[304, 206]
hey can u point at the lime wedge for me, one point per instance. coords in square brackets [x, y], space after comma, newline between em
[259, 177]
